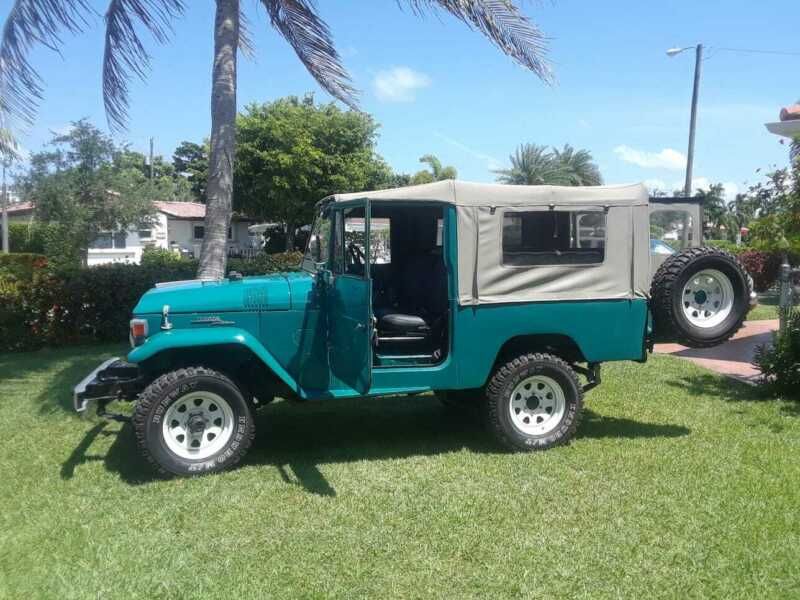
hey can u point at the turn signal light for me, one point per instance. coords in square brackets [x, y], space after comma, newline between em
[138, 332]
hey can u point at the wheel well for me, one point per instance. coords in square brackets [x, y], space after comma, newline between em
[234, 360]
[559, 345]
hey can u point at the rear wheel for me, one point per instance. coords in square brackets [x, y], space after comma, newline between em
[193, 421]
[700, 297]
[533, 402]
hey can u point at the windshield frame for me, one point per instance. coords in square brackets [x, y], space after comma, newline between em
[308, 263]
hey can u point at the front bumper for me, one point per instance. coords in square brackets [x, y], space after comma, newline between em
[114, 379]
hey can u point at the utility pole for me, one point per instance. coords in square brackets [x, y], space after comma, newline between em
[687, 188]
[6, 248]
[151, 158]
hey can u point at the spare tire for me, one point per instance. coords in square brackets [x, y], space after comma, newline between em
[700, 297]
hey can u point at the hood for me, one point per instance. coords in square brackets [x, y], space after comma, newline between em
[268, 292]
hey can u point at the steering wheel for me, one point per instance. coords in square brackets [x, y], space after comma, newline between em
[355, 255]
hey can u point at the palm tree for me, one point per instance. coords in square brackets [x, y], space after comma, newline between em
[33, 22]
[534, 165]
[579, 164]
[437, 171]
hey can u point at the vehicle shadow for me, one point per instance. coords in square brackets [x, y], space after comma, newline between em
[298, 438]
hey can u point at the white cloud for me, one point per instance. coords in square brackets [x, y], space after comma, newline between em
[666, 159]
[399, 84]
[491, 162]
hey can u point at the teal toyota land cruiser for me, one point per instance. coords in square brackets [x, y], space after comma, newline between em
[507, 296]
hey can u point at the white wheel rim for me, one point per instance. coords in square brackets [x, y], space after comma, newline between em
[197, 425]
[537, 405]
[707, 298]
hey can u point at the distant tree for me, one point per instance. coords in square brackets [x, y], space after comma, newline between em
[578, 165]
[534, 165]
[715, 210]
[437, 172]
[190, 161]
[32, 22]
[83, 185]
[293, 152]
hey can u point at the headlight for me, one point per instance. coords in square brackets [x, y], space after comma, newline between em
[139, 332]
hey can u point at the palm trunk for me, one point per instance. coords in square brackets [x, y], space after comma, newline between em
[290, 227]
[219, 191]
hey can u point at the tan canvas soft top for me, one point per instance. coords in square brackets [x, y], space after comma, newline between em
[480, 211]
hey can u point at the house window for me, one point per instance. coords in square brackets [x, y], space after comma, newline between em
[145, 234]
[553, 238]
[120, 238]
[108, 240]
[230, 233]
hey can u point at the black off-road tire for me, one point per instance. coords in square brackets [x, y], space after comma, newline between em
[667, 300]
[152, 405]
[498, 402]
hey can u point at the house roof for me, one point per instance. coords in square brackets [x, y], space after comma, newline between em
[182, 210]
[187, 210]
[20, 208]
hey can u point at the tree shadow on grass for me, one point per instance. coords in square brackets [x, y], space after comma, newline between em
[726, 388]
[76, 362]
[599, 426]
[297, 438]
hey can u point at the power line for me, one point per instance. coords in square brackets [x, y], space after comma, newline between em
[752, 51]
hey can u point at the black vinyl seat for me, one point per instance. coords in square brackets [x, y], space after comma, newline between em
[422, 301]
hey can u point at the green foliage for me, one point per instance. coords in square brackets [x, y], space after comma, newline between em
[190, 161]
[53, 307]
[161, 257]
[83, 184]
[21, 266]
[780, 362]
[27, 237]
[437, 172]
[292, 152]
[536, 165]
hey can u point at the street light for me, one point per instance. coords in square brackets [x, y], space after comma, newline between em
[687, 188]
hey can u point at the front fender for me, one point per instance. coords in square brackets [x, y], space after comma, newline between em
[204, 337]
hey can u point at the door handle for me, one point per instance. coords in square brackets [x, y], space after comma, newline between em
[361, 326]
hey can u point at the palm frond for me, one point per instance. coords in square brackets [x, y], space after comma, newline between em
[246, 45]
[125, 53]
[301, 26]
[502, 22]
[9, 148]
[29, 23]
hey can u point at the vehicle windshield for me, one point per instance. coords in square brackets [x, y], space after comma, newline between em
[318, 245]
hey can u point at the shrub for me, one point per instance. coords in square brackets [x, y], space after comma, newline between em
[161, 257]
[763, 267]
[726, 245]
[266, 263]
[780, 363]
[27, 237]
[20, 267]
[66, 306]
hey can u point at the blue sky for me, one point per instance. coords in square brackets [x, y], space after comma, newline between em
[437, 87]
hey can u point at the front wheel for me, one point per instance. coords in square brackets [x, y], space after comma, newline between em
[533, 402]
[193, 421]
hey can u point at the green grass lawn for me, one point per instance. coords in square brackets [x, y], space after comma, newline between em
[680, 484]
[767, 308]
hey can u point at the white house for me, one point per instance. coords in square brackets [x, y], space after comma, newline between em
[177, 226]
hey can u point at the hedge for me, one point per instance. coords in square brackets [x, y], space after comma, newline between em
[92, 304]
